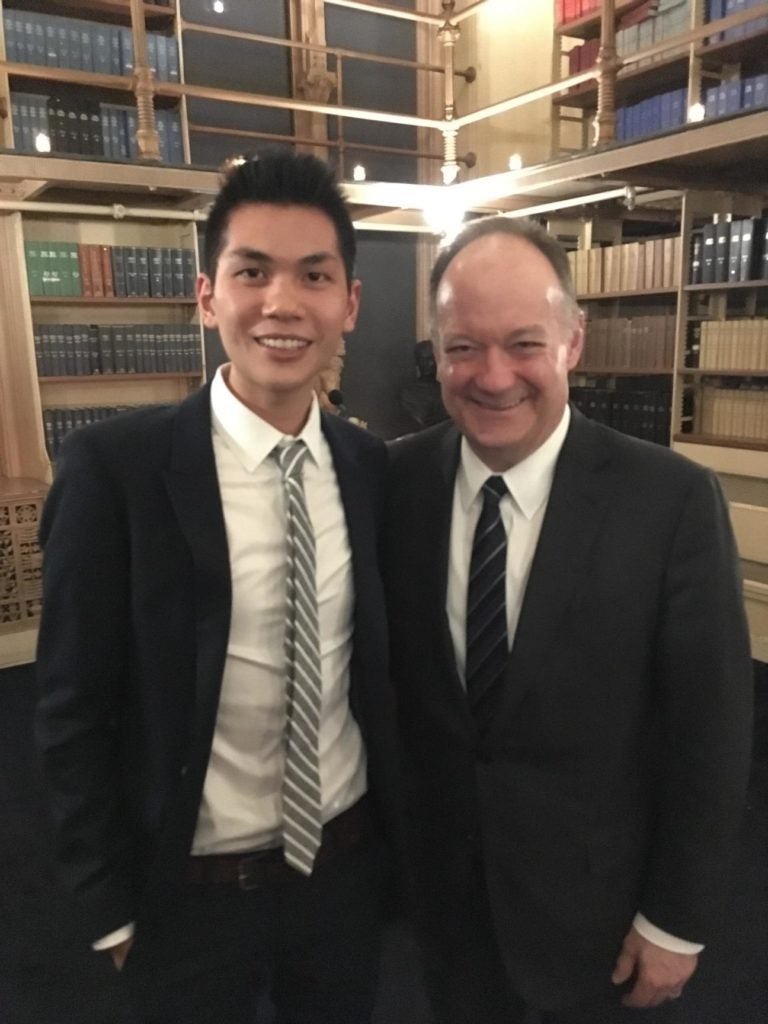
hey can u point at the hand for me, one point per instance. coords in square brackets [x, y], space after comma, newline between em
[659, 974]
[120, 952]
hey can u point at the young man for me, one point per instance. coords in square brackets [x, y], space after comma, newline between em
[572, 667]
[215, 720]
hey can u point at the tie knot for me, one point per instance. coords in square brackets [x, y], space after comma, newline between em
[290, 458]
[494, 489]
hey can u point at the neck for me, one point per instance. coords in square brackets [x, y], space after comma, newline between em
[287, 413]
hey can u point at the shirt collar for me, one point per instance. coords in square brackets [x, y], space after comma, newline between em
[249, 436]
[529, 482]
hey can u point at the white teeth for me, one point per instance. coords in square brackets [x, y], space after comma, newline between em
[282, 342]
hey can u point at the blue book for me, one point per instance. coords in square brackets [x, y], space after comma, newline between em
[125, 38]
[100, 50]
[9, 27]
[86, 46]
[733, 97]
[162, 50]
[173, 59]
[39, 34]
[62, 43]
[105, 131]
[175, 145]
[162, 135]
[748, 94]
[710, 102]
[131, 126]
[761, 91]
[115, 53]
[151, 52]
[16, 121]
[27, 49]
[678, 111]
[75, 51]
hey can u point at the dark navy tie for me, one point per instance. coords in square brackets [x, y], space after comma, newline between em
[487, 640]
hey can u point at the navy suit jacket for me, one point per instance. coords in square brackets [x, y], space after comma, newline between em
[609, 776]
[133, 641]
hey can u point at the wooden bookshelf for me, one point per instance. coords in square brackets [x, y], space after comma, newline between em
[722, 442]
[117, 300]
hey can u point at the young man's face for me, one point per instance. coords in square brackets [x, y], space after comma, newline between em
[280, 301]
[506, 344]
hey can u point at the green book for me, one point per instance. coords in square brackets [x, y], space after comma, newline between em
[34, 268]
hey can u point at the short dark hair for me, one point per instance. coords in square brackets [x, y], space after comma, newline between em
[284, 179]
[522, 227]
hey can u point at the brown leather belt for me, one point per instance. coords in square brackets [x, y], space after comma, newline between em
[253, 870]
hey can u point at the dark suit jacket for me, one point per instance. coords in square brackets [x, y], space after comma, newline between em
[134, 636]
[610, 776]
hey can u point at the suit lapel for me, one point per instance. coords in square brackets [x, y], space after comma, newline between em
[577, 504]
[193, 489]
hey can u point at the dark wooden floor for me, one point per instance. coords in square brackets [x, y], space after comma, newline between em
[48, 975]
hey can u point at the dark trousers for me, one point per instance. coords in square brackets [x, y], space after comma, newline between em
[311, 944]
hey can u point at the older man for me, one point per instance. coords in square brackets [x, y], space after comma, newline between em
[571, 658]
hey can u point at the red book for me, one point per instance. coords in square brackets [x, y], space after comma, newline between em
[106, 270]
[85, 269]
[97, 279]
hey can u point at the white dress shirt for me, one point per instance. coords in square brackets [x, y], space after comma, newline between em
[241, 802]
[522, 511]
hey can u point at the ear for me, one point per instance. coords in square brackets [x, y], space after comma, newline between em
[575, 342]
[353, 305]
[205, 302]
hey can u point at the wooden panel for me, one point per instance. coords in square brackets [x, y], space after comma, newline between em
[21, 426]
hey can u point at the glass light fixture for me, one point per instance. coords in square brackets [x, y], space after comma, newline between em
[696, 112]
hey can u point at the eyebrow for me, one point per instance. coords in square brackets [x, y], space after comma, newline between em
[312, 259]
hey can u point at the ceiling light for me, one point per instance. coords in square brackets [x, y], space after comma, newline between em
[444, 216]
[218, 6]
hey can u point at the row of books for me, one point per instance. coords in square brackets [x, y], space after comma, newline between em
[736, 94]
[57, 423]
[85, 350]
[728, 250]
[634, 266]
[68, 123]
[739, 412]
[55, 42]
[732, 344]
[630, 343]
[643, 413]
[717, 9]
[655, 114]
[109, 271]
[572, 10]
[644, 25]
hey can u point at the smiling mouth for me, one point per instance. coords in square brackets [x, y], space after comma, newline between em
[283, 344]
[507, 407]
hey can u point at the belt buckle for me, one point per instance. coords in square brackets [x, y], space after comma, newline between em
[247, 878]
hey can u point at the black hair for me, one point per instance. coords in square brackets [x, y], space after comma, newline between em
[284, 179]
[527, 230]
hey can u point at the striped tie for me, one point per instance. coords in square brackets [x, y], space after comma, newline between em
[302, 820]
[487, 641]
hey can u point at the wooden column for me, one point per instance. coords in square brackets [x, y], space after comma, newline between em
[144, 87]
[310, 76]
[607, 63]
[22, 448]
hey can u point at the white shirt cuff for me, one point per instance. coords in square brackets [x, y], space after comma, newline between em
[114, 938]
[664, 939]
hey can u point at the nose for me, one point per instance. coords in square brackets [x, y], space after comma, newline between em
[280, 298]
[497, 372]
